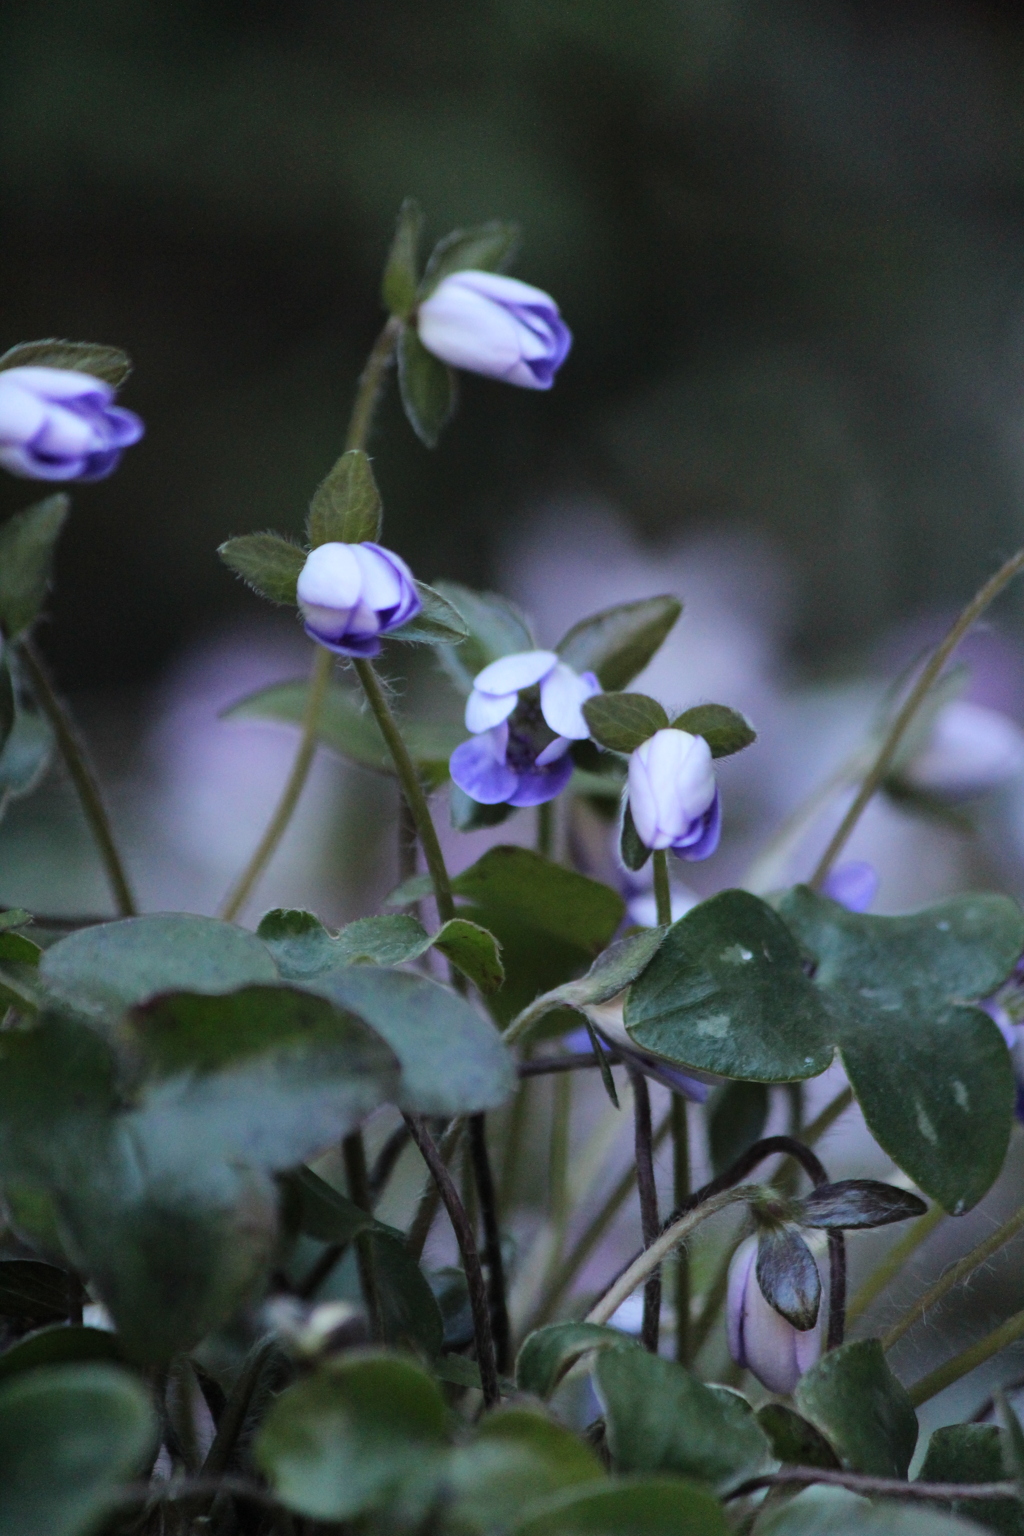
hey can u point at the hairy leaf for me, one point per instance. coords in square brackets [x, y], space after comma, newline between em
[267, 563]
[623, 721]
[107, 363]
[618, 643]
[725, 730]
[400, 282]
[855, 1401]
[346, 506]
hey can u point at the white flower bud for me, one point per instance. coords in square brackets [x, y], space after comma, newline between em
[673, 797]
[497, 326]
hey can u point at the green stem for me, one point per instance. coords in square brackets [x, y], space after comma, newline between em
[662, 889]
[968, 1360]
[960, 1270]
[72, 750]
[371, 384]
[916, 697]
[412, 789]
[893, 1262]
[430, 1199]
[680, 1193]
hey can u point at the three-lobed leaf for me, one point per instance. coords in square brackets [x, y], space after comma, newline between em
[346, 505]
[267, 563]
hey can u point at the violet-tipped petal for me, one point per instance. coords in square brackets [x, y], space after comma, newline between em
[496, 326]
[59, 424]
[673, 797]
[351, 594]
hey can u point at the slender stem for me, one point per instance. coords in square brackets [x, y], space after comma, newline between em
[544, 1066]
[470, 1259]
[371, 383]
[412, 789]
[944, 1375]
[546, 828]
[893, 1262]
[353, 1154]
[836, 1290]
[497, 1299]
[915, 698]
[648, 1192]
[662, 889]
[873, 1487]
[426, 1206]
[319, 681]
[680, 1194]
[825, 1120]
[406, 840]
[959, 1271]
[73, 751]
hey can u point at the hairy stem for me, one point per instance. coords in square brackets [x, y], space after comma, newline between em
[915, 698]
[959, 1271]
[968, 1360]
[371, 384]
[72, 750]
[893, 1262]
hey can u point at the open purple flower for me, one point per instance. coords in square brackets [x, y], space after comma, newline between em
[525, 710]
[673, 796]
[58, 424]
[497, 326]
[351, 594]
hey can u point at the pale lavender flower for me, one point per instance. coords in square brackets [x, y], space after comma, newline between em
[760, 1339]
[971, 750]
[351, 594]
[59, 424]
[673, 796]
[853, 884]
[497, 326]
[525, 710]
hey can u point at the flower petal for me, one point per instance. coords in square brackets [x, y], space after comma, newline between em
[485, 778]
[485, 710]
[562, 695]
[510, 673]
[539, 785]
[331, 578]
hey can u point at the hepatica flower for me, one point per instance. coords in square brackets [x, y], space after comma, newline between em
[673, 796]
[351, 594]
[58, 424]
[524, 710]
[497, 326]
[761, 1340]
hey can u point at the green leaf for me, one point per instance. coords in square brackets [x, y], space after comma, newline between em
[633, 851]
[837, 1512]
[360, 1434]
[267, 563]
[410, 1316]
[548, 1353]
[738, 1114]
[452, 1060]
[302, 946]
[347, 729]
[649, 1506]
[515, 1449]
[437, 622]
[68, 1436]
[725, 730]
[855, 1401]
[619, 642]
[427, 387]
[37, 1292]
[346, 506]
[468, 815]
[727, 993]
[60, 1345]
[15, 949]
[399, 285]
[323, 1213]
[896, 989]
[495, 628]
[612, 971]
[27, 543]
[973, 1453]
[623, 721]
[660, 1418]
[107, 363]
[794, 1441]
[486, 247]
[103, 970]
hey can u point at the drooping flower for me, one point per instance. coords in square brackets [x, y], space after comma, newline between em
[351, 594]
[59, 424]
[760, 1339]
[497, 326]
[673, 796]
[524, 710]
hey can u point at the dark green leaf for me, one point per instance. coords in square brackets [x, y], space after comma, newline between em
[660, 1418]
[268, 564]
[437, 622]
[725, 730]
[15, 949]
[59, 1345]
[486, 247]
[346, 505]
[469, 815]
[410, 1315]
[359, 1434]
[623, 721]
[737, 1118]
[854, 1204]
[853, 1398]
[68, 1436]
[727, 993]
[303, 947]
[27, 543]
[107, 363]
[896, 989]
[648, 1506]
[836, 1512]
[495, 628]
[788, 1276]
[347, 729]
[548, 1353]
[427, 388]
[103, 970]
[323, 1213]
[40, 1293]
[973, 1453]
[401, 278]
[452, 1059]
[619, 642]
[633, 852]
[515, 1449]
[793, 1440]
[612, 971]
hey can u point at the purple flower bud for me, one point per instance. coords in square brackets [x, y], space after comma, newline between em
[673, 797]
[350, 594]
[853, 884]
[524, 710]
[760, 1339]
[58, 424]
[497, 326]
